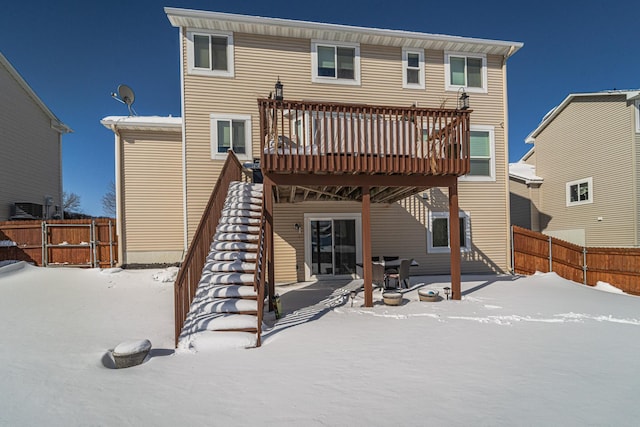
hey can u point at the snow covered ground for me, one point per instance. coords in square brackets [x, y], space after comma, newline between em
[515, 351]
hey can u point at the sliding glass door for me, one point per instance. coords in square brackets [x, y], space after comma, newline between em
[332, 245]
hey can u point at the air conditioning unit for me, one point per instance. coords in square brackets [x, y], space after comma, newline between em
[25, 210]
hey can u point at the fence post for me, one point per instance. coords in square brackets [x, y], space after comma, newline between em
[513, 256]
[43, 241]
[584, 264]
[550, 256]
[93, 244]
[110, 245]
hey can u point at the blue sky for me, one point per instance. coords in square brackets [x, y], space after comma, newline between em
[74, 54]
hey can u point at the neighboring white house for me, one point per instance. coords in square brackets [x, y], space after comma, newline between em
[31, 146]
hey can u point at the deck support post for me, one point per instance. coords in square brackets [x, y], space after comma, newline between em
[454, 240]
[267, 188]
[366, 247]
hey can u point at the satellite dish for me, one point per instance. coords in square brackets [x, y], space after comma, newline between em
[126, 96]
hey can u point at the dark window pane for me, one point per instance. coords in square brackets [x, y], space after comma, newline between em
[480, 167]
[224, 136]
[326, 61]
[413, 76]
[238, 137]
[413, 60]
[463, 237]
[440, 233]
[219, 49]
[457, 67]
[474, 70]
[346, 63]
[573, 196]
[201, 51]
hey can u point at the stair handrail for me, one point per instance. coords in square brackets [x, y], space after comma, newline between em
[259, 272]
[191, 267]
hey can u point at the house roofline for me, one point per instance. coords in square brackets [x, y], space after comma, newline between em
[56, 123]
[157, 123]
[551, 115]
[220, 21]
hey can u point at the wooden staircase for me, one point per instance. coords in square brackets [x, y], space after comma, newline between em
[227, 307]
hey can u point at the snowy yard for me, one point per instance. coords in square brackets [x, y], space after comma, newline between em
[515, 351]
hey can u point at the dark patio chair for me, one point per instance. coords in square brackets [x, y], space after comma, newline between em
[402, 276]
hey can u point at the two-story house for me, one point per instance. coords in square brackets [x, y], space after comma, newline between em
[351, 95]
[580, 181]
[366, 145]
[31, 146]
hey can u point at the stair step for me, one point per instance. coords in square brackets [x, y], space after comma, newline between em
[237, 228]
[231, 256]
[224, 322]
[245, 193]
[239, 220]
[243, 199]
[230, 266]
[242, 209]
[207, 290]
[234, 246]
[236, 237]
[223, 305]
[227, 278]
[212, 341]
[246, 186]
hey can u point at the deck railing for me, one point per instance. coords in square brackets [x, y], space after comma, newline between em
[313, 137]
[191, 268]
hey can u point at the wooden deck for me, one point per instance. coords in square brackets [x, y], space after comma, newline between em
[326, 138]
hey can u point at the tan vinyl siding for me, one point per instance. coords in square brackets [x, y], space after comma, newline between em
[589, 138]
[152, 199]
[260, 60]
[520, 204]
[31, 163]
[636, 181]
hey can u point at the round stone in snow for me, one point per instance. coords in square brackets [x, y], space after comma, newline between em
[131, 353]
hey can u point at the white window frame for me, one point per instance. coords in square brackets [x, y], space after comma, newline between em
[405, 67]
[447, 72]
[492, 149]
[214, 118]
[315, 78]
[308, 217]
[441, 249]
[230, 72]
[637, 116]
[589, 182]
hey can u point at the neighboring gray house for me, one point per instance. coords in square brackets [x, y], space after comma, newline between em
[581, 180]
[31, 146]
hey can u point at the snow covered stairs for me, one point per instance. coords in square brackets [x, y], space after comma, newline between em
[224, 312]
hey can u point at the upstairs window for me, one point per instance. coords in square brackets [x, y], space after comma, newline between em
[467, 71]
[335, 63]
[413, 69]
[580, 192]
[438, 232]
[230, 132]
[482, 154]
[210, 53]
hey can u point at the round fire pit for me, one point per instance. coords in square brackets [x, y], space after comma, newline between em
[131, 353]
[392, 298]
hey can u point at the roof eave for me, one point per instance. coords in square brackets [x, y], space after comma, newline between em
[190, 18]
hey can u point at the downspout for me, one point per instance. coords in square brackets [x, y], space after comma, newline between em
[185, 221]
[635, 115]
[506, 161]
[119, 204]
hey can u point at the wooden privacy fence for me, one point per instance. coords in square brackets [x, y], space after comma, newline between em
[531, 252]
[69, 243]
